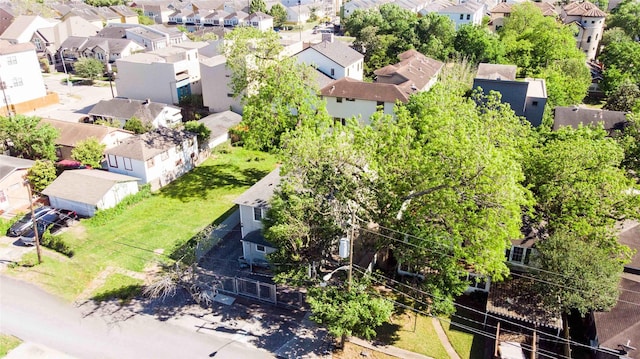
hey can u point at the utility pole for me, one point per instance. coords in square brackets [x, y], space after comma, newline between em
[35, 224]
[351, 239]
[3, 86]
[300, 23]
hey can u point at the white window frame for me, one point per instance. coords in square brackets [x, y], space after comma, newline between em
[257, 217]
[263, 250]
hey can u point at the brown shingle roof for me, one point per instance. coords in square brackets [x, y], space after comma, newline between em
[6, 47]
[497, 72]
[415, 68]
[71, 132]
[585, 9]
[150, 144]
[350, 88]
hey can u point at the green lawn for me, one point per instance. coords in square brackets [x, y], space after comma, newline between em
[8, 342]
[465, 343]
[151, 229]
[417, 336]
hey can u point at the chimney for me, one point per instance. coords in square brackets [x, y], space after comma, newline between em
[146, 102]
[327, 37]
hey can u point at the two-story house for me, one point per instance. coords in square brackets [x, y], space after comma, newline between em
[470, 12]
[260, 21]
[21, 80]
[527, 97]
[157, 157]
[164, 75]
[107, 50]
[333, 58]
[347, 98]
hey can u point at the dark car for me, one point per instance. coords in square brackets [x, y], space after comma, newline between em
[25, 222]
[52, 221]
[28, 238]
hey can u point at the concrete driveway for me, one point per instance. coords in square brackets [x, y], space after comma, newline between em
[75, 101]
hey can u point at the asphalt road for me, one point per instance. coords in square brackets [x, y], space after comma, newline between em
[35, 316]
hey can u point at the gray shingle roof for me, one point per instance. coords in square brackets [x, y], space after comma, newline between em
[497, 72]
[338, 52]
[574, 116]
[9, 164]
[121, 108]
[261, 192]
[85, 185]
[220, 123]
[150, 144]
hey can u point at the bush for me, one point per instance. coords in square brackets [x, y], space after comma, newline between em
[56, 243]
[103, 217]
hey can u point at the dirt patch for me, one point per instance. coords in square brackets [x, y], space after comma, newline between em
[354, 351]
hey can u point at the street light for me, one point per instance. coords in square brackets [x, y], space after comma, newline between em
[64, 66]
[300, 19]
[328, 276]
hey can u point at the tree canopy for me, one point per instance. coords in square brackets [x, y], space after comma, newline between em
[627, 17]
[89, 152]
[279, 14]
[137, 126]
[25, 137]
[41, 174]
[478, 44]
[257, 5]
[89, 68]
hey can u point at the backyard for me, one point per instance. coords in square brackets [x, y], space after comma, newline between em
[114, 255]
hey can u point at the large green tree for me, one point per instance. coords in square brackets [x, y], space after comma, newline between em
[279, 14]
[626, 16]
[26, 137]
[478, 44]
[89, 152]
[41, 174]
[444, 169]
[257, 5]
[581, 193]
[89, 68]
[622, 64]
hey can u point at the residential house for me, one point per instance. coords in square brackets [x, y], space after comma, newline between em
[575, 116]
[7, 14]
[87, 191]
[615, 334]
[470, 12]
[347, 98]
[14, 194]
[179, 17]
[590, 21]
[50, 40]
[157, 157]
[216, 93]
[236, 18]
[435, 6]
[154, 37]
[23, 27]
[504, 9]
[106, 50]
[70, 133]
[21, 80]
[526, 97]
[108, 15]
[333, 58]
[122, 109]
[302, 13]
[127, 16]
[219, 124]
[253, 205]
[350, 6]
[164, 75]
[90, 16]
[260, 21]
[215, 18]
[159, 11]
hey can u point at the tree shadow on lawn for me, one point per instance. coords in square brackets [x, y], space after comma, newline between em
[195, 184]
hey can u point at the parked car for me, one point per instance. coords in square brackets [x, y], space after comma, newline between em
[53, 221]
[24, 223]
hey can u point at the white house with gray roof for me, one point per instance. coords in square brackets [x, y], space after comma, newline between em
[253, 205]
[469, 12]
[157, 157]
[334, 59]
[86, 191]
[122, 109]
[219, 124]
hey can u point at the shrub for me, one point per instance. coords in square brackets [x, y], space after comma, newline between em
[56, 243]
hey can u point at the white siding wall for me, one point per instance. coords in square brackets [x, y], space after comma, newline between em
[324, 64]
[82, 209]
[216, 91]
[140, 81]
[251, 253]
[248, 223]
[117, 194]
[362, 109]
[134, 168]
[22, 76]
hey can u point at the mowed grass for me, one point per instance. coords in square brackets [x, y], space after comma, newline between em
[150, 230]
[7, 343]
[417, 336]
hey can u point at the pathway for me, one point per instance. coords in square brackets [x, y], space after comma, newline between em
[444, 339]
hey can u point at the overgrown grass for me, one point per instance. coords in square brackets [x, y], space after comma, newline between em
[414, 334]
[149, 230]
[119, 286]
[7, 343]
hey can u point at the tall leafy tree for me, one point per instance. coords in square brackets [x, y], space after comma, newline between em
[137, 126]
[478, 44]
[257, 5]
[626, 16]
[567, 81]
[279, 14]
[89, 152]
[625, 98]
[89, 68]
[622, 64]
[26, 137]
[41, 174]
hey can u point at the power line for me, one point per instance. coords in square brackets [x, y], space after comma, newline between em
[449, 255]
[562, 340]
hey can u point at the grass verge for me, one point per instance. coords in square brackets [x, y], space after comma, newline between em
[119, 286]
[413, 333]
[148, 231]
[7, 343]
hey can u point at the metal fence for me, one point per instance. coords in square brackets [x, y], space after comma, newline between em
[249, 288]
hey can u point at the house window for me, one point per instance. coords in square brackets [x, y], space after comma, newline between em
[17, 82]
[350, 99]
[333, 72]
[257, 214]
[127, 164]
[339, 99]
[260, 248]
[461, 16]
[534, 103]
[58, 152]
[164, 155]
[517, 254]
[468, 16]
[113, 161]
[150, 163]
[380, 103]
[588, 39]
[12, 60]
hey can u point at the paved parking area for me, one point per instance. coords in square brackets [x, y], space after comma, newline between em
[75, 101]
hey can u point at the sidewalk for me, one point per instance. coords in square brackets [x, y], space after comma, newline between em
[29, 350]
[388, 349]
